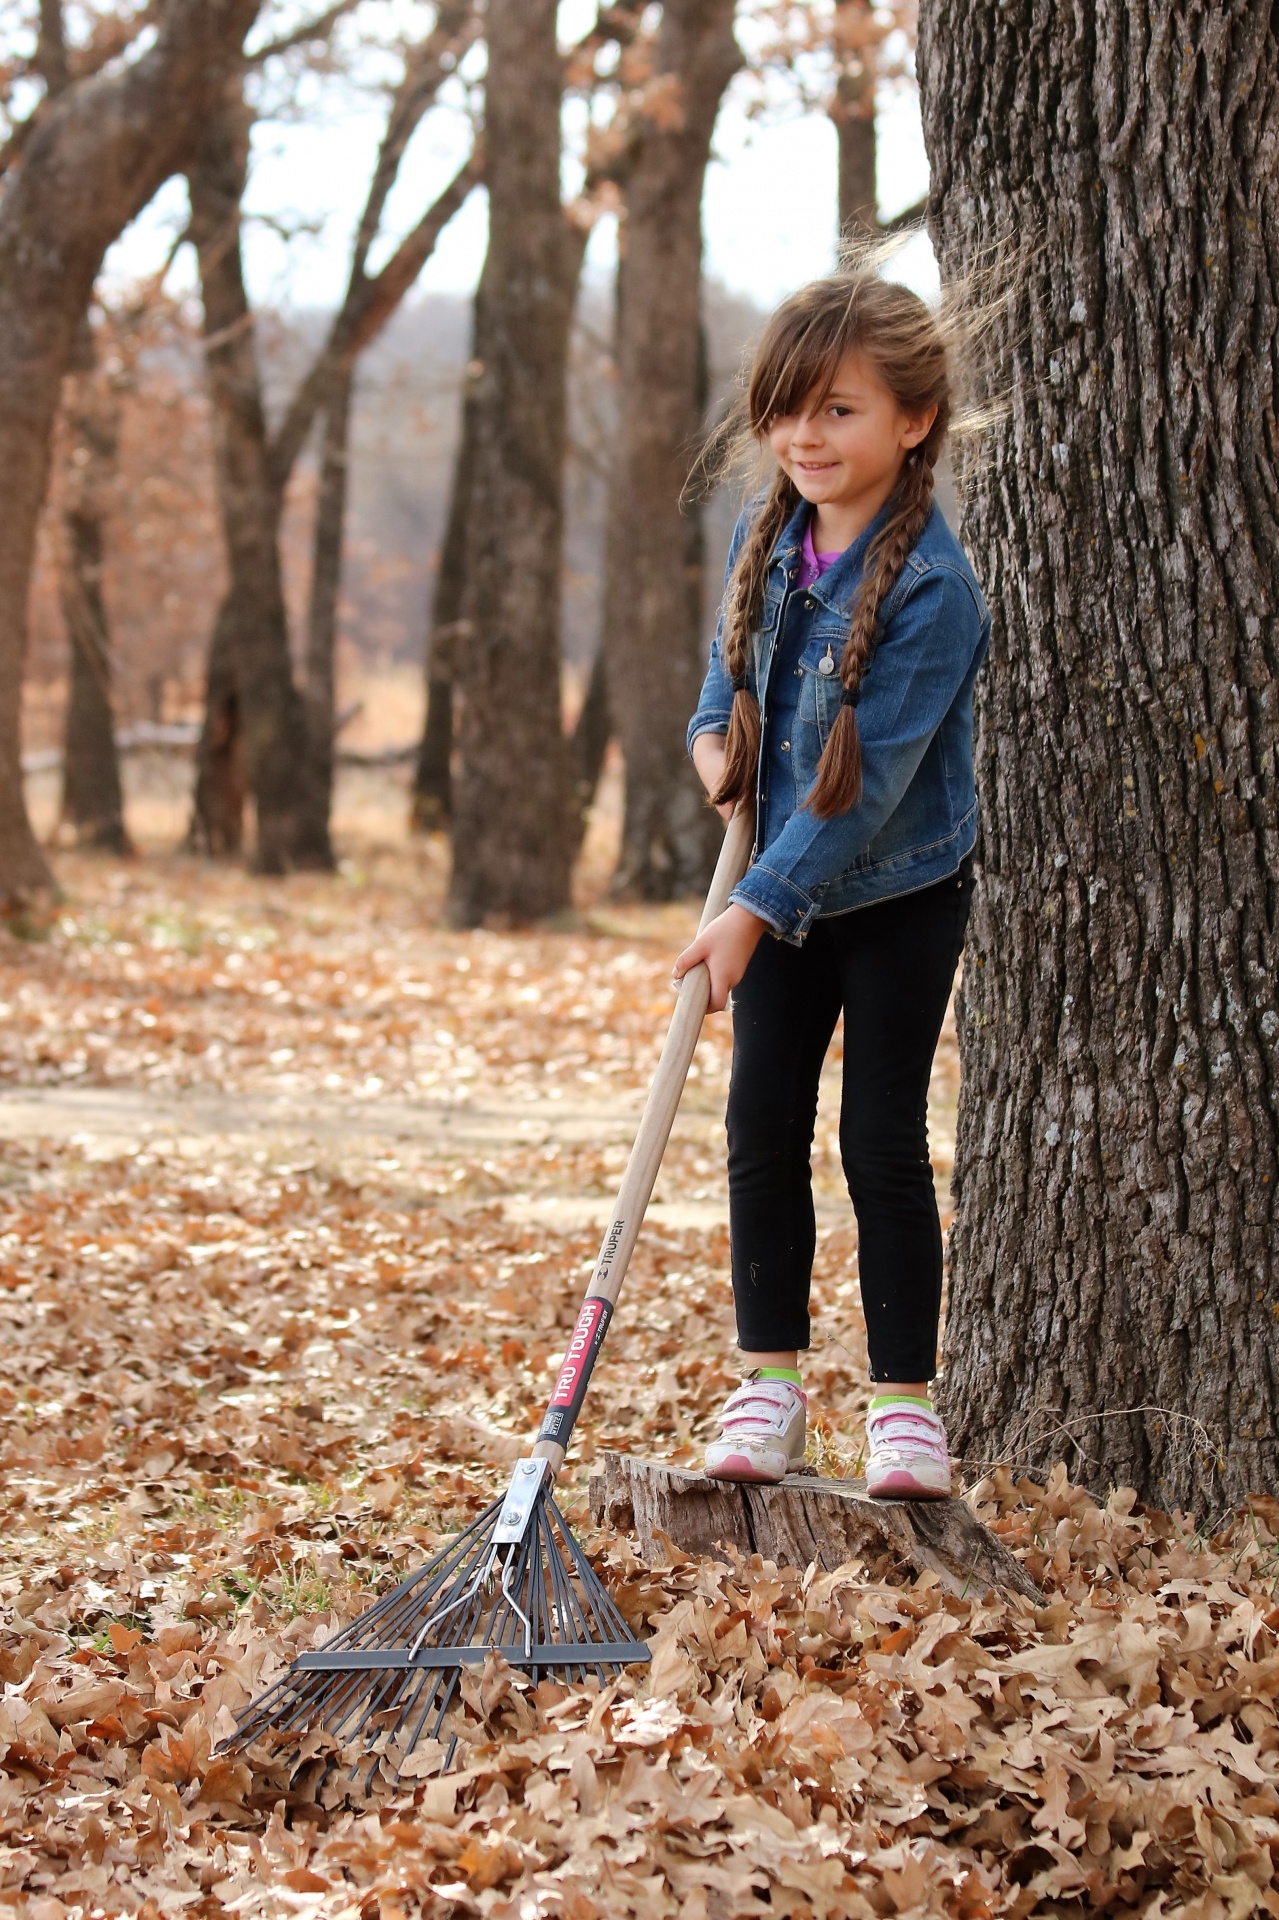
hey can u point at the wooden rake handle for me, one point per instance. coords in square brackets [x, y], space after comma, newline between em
[638, 1180]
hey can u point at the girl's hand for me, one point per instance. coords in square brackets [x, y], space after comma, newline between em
[725, 947]
[708, 758]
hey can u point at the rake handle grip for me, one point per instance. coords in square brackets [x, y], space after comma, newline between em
[645, 1159]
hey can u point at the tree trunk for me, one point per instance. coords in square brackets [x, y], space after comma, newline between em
[1113, 1259]
[92, 163]
[511, 850]
[221, 788]
[326, 581]
[92, 798]
[432, 803]
[292, 817]
[588, 747]
[654, 650]
[856, 37]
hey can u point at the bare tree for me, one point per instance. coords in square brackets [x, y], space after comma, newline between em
[92, 795]
[253, 632]
[1113, 1290]
[654, 551]
[587, 70]
[289, 732]
[88, 165]
[510, 845]
[432, 805]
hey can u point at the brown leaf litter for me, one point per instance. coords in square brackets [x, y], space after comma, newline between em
[250, 1386]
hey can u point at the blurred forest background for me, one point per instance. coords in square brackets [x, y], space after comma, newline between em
[268, 543]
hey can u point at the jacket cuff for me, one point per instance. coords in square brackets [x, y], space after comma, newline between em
[706, 723]
[778, 902]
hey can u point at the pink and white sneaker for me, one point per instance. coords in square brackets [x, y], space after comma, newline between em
[909, 1455]
[762, 1433]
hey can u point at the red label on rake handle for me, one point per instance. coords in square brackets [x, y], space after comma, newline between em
[575, 1371]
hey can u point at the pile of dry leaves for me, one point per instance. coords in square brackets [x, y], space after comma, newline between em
[257, 1370]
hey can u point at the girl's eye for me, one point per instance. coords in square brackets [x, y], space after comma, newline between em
[841, 413]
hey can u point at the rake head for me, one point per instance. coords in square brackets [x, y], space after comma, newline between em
[515, 1583]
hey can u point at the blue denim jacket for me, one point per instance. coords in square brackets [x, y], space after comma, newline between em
[917, 815]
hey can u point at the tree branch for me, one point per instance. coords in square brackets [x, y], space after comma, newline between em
[318, 29]
[906, 218]
[51, 49]
[425, 70]
[368, 306]
[60, 66]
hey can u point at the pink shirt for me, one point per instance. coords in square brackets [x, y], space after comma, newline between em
[813, 564]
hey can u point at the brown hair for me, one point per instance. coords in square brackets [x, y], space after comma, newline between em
[799, 354]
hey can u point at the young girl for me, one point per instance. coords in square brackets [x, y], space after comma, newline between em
[839, 703]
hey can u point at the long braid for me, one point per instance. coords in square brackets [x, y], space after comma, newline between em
[741, 618]
[838, 784]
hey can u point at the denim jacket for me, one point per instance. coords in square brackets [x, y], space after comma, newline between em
[917, 815]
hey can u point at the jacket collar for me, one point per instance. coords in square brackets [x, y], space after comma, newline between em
[836, 589]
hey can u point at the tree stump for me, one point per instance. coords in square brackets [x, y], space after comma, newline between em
[801, 1520]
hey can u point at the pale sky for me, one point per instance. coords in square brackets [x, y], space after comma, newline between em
[769, 211]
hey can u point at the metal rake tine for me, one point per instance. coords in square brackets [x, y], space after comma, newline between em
[407, 1598]
[592, 1584]
[561, 1594]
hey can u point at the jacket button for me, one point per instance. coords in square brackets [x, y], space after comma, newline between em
[785, 746]
[799, 673]
[809, 605]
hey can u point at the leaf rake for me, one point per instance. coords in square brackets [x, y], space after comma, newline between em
[515, 1583]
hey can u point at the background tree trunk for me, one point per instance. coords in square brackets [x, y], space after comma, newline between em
[326, 582]
[432, 801]
[1113, 1292]
[292, 815]
[92, 798]
[511, 849]
[323, 393]
[221, 787]
[92, 163]
[855, 38]
[654, 653]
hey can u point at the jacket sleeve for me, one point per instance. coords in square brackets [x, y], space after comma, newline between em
[929, 652]
[715, 704]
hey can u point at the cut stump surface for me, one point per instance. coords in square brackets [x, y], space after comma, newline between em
[801, 1520]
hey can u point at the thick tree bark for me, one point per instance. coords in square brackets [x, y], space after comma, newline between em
[855, 35]
[326, 582]
[432, 802]
[292, 815]
[92, 797]
[1113, 1293]
[92, 163]
[653, 561]
[511, 847]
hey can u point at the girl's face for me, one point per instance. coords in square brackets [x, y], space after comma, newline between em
[851, 446]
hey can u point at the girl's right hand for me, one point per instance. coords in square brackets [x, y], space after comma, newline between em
[708, 758]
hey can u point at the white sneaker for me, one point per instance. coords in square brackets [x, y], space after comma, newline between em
[762, 1432]
[909, 1455]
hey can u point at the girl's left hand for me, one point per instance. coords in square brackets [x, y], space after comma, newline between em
[725, 948]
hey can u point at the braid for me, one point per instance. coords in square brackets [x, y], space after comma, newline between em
[838, 784]
[741, 617]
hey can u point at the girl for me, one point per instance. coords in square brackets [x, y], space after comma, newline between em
[839, 702]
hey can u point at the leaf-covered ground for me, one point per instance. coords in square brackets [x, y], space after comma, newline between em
[299, 1197]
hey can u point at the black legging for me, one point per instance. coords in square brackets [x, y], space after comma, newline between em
[889, 967]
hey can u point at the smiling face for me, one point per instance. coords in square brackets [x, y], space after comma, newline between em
[845, 449]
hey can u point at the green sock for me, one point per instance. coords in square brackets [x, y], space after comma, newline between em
[792, 1374]
[900, 1400]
